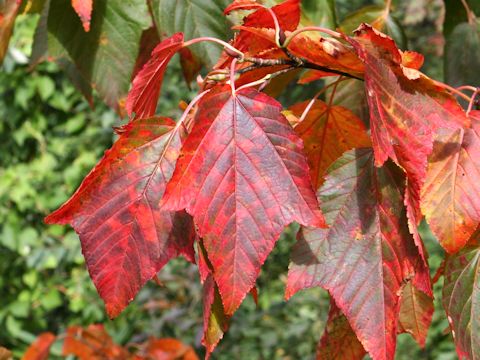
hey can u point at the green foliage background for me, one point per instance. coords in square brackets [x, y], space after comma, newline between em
[50, 138]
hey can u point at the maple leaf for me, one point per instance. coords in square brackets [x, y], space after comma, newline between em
[5, 354]
[451, 194]
[327, 132]
[326, 52]
[148, 42]
[313, 75]
[416, 311]
[406, 109]
[84, 10]
[92, 343]
[339, 341]
[243, 177]
[366, 255]
[461, 294]
[168, 349]
[126, 238]
[288, 15]
[191, 64]
[8, 14]
[215, 322]
[323, 52]
[40, 349]
[143, 96]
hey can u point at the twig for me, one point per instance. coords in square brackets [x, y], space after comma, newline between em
[296, 62]
[452, 90]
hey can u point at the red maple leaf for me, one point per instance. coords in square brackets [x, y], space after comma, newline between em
[406, 109]
[126, 238]
[143, 96]
[243, 177]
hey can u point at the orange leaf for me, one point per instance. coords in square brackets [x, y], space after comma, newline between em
[40, 349]
[406, 109]
[8, 14]
[92, 343]
[169, 349]
[327, 132]
[451, 194]
[84, 10]
[243, 176]
[339, 341]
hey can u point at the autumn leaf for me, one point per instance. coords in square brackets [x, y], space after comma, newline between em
[92, 343]
[195, 19]
[126, 238]
[451, 194]
[339, 341]
[169, 349]
[416, 311]
[148, 42]
[367, 253]
[461, 294]
[5, 354]
[243, 177]
[8, 14]
[288, 15]
[327, 132]
[215, 322]
[40, 349]
[191, 64]
[326, 52]
[314, 75]
[406, 109]
[143, 97]
[84, 10]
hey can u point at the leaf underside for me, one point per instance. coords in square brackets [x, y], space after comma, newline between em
[366, 255]
[461, 298]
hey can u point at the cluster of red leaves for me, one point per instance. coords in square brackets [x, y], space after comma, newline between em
[94, 343]
[234, 171]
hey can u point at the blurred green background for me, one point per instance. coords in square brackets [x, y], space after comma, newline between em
[49, 140]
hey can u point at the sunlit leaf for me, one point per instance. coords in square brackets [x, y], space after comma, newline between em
[40, 349]
[327, 132]
[84, 10]
[243, 177]
[126, 237]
